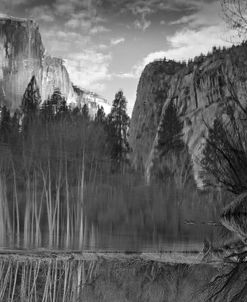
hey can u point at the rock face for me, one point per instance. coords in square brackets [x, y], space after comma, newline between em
[22, 56]
[21, 53]
[200, 91]
[54, 75]
[93, 100]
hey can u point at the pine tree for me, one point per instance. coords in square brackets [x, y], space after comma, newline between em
[15, 121]
[55, 106]
[100, 116]
[75, 113]
[118, 125]
[31, 98]
[5, 125]
[47, 111]
[30, 104]
[85, 112]
[172, 159]
[58, 101]
[62, 109]
[170, 132]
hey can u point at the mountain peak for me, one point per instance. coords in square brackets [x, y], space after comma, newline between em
[23, 56]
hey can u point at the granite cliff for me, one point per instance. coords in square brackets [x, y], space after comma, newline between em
[200, 91]
[21, 53]
[22, 56]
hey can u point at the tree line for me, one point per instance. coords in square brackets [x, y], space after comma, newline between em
[55, 111]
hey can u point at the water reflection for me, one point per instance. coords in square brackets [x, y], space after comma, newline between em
[156, 228]
[184, 236]
[190, 263]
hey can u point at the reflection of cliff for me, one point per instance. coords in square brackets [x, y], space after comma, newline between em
[22, 56]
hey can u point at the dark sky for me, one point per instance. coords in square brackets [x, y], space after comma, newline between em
[106, 43]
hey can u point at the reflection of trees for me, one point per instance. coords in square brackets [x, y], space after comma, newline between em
[234, 216]
[230, 284]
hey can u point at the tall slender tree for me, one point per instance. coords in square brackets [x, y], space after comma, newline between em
[100, 116]
[170, 132]
[118, 126]
[5, 124]
[31, 98]
[172, 158]
[85, 112]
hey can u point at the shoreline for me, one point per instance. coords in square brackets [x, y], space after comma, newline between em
[169, 257]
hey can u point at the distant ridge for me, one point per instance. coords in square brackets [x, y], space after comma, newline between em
[94, 94]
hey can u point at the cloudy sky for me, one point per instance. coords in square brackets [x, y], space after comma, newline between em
[106, 43]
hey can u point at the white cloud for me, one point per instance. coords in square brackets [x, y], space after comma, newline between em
[102, 47]
[126, 75]
[138, 68]
[2, 15]
[117, 41]
[184, 44]
[86, 22]
[64, 8]
[154, 56]
[76, 23]
[207, 14]
[142, 10]
[183, 20]
[89, 69]
[142, 24]
[61, 42]
[13, 2]
[201, 31]
[42, 13]
[98, 29]
[189, 43]
[151, 6]
[80, 21]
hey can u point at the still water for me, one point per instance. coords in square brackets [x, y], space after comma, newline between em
[68, 257]
[189, 236]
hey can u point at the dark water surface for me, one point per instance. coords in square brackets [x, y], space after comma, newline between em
[180, 260]
[189, 236]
